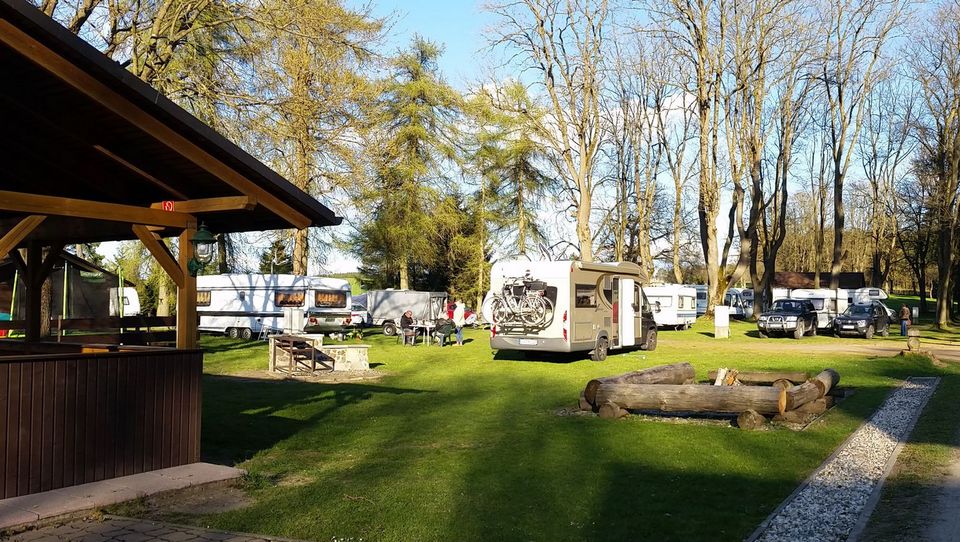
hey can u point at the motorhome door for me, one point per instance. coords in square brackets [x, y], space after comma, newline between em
[628, 310]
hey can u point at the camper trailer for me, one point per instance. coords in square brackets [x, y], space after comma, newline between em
[387, 306]
[568, 306]
[674, 306]
[240, 305]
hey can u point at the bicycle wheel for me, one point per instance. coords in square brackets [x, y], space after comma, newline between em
[499, 310]
[533, 310]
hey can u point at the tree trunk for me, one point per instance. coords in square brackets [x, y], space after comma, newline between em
[404, 275]
[301, 251]
[163, 298]
[697, 398]
[826, 380]
[751, 420]
[766, 378]
[944, 275]
[836, 266]
[678, 373]
[584, 236]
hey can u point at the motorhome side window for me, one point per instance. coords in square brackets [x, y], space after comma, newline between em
[330, 298]
[288, 298]
[203, 298]
[586, 295]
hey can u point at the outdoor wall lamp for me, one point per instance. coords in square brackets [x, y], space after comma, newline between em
[202, 242]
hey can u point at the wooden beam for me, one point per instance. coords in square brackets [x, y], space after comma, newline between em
[18, 233]
[53, 254]
[121, 106]
[173, 191]
[187, 296]
[211, 205]
[19, 262]
[95, 210]
[160, 252]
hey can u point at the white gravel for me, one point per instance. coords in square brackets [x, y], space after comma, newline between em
[828, 507]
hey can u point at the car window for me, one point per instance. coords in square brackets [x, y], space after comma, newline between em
[858, 310]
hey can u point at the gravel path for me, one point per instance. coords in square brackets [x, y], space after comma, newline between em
[829, 504]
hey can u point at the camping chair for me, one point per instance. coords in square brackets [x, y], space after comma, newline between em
[444, 330]
[403, 334]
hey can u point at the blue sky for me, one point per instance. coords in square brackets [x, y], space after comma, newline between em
[457, 24]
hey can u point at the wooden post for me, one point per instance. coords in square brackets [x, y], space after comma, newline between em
[186, 295]
[32, 286]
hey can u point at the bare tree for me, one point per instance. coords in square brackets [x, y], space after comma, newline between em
[562, 40]
[935, 62]
[856, 32]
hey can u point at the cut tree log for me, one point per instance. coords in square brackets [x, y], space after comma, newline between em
[751, 420]
[803, 413]
[677, 373]
[721, 374]
[703, 398]
[583, 404]
[611, 411]
[826, 380]
[765, 378]
[783, 384]
[798, 396]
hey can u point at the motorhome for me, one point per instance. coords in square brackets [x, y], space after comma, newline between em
[674, 306]
[387, 306]
[239, 305]
[701, 290]
[740, 301]
[568, 306]
[828, 303]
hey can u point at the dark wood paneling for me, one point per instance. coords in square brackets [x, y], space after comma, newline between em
[69, 419]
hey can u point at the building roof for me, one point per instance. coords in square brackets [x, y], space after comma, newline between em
[794, 279]
[78, 125]
[8, 266]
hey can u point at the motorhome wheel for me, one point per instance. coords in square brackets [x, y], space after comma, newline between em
[233, 332]
[599, 352]
[389, 329]
[246, 334]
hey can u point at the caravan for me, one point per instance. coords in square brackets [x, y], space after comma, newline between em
[243, 304]
[673, 305]
[568, 306]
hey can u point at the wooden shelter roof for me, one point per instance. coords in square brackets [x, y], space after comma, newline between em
[77, 125]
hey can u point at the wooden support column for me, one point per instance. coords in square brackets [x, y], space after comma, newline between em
[32, 287]
[187, 295]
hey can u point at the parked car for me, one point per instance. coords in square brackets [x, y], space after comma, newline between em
[469, 315]
[796, 317]
[863, 319]
[360, 317]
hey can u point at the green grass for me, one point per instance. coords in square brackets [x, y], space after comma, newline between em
[459, 444]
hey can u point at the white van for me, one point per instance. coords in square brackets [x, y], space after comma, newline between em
[568, 306]
[239, 305]
[740, 302]
[673, 305]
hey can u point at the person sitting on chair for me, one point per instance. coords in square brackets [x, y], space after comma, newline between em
[406, 328]
[443, 330]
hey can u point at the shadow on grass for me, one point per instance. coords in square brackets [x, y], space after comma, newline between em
[243, 416]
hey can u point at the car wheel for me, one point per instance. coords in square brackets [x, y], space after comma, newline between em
[246, 334]
[389, 329]
[798, 333]
[233, 332]
[885, 332]
[650, 342]
[869, 334]
[763, 335]
[599, 352]
[813, 331]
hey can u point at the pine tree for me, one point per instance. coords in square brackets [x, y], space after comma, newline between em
[276, 259]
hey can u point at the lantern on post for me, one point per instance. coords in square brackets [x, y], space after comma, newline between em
[202, 242]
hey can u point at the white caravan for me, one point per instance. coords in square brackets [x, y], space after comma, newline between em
[568, 306]
[124, 302]
[240, 305]
[673, 305]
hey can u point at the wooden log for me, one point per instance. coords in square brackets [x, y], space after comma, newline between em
[611, 411]
[804, 412]
[765, 378]
[686, 398]
[583, 404]
[677, 373]
[782, 384]
[798, 396]
[751, 420]
[826, 380]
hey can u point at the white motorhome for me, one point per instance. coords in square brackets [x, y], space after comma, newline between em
[239, 305]
[124, 302]
[828, 303]
[740, 301]
[568, 306]
[673, 305]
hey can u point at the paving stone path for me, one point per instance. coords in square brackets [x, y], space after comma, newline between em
[118, 529]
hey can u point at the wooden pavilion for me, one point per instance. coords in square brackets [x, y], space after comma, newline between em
[91, 153]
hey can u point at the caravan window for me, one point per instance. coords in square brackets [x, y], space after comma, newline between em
[203, 298]
[330, 299]
[288, 298]
[817, 303]
[585, 296]
[665, 301]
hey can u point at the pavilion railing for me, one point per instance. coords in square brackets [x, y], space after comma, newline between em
[69, 419]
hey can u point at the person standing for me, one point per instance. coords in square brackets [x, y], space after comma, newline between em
[904, 320]
[459, 320]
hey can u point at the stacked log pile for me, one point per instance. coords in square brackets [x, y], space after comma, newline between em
[753, 396]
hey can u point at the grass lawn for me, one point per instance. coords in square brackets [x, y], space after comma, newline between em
[459, 444]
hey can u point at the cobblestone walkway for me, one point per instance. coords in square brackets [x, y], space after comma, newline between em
[117, 529]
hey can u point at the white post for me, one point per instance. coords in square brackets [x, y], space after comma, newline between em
[721, 322]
